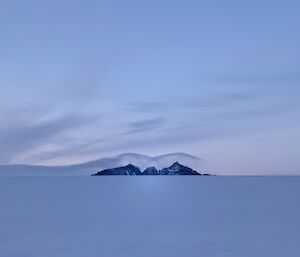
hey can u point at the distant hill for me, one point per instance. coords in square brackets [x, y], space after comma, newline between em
[175, 169]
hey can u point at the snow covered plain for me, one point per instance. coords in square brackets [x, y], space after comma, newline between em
[150, 216]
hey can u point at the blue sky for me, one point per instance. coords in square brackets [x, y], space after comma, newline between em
[86, 79]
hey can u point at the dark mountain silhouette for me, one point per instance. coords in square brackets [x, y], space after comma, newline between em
[178, 169]
[175, 169]
[126, 170]
[151, 171]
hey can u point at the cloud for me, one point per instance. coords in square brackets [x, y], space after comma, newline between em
[236, 113]
[146, 106]
[221, 100]
[257, 78]
[145, 125]
[85, 83]
[68, 151]
[17, 140]
[145, 161]
[196, 100]
[191, 119]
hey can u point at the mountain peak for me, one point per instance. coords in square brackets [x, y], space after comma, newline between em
[150, 171]
[125, 170]
[177, 169]
[176, 164]
[130, 166]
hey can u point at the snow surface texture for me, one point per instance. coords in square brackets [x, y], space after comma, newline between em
[149, 216]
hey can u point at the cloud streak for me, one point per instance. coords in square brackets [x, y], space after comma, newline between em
[145, 125]
[16, 140]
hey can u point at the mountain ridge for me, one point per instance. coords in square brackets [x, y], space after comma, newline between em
[175, 169]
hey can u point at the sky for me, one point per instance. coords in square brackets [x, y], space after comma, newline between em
[86, 79]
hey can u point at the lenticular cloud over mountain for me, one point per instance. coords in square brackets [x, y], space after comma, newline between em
[161, 161]
[88, 168]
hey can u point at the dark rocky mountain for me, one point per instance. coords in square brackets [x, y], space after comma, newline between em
[151, 171]
[175, 169]
[178, 169]
[126, 170]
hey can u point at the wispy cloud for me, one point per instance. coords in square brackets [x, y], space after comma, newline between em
[254, 78]
[18, 139]
[146, 106]
[145, 125]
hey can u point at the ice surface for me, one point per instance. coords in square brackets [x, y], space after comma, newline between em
[150, 217]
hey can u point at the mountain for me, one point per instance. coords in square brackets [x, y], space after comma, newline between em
[126, 170]
[88, 168]
[175, 169]
[151, 171]
[178, 169]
